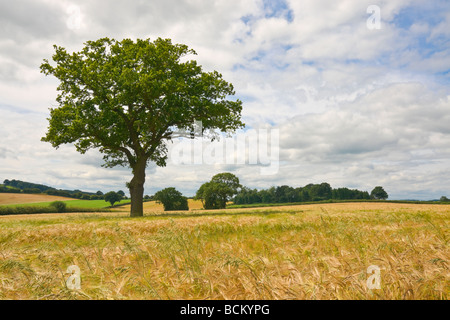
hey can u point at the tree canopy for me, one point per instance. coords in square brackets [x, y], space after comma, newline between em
[171, 199]
[112, 197]
[378, 193]
[127, 97]
[215, 193]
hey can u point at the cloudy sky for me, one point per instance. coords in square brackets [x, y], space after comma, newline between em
[357, 96]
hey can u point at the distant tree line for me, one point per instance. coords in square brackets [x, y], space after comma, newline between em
[225, 187]
[286, 194]
[22, 185]
[18, 186]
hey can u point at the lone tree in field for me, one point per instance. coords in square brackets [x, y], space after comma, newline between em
[112, 197]
[378, 193]
[126, 98]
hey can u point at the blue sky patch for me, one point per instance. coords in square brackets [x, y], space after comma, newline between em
[428, 13]
[278, 8]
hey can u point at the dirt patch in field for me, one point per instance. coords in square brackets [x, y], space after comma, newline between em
[18, 198]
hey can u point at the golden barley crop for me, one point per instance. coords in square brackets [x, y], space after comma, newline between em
[297, 252]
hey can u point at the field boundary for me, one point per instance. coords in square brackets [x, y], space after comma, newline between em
[259, 205]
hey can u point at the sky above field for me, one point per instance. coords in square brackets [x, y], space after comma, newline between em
[357, 91]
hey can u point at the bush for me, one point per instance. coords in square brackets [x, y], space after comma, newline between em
[59, 206]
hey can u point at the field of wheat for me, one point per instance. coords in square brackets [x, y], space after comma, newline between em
[298, 252]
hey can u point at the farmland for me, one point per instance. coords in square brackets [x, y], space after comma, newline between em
[318, 251]
[42, 203]
[20, 198]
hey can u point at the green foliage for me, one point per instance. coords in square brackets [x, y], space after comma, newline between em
[127, 97]
[444, 199]
[61, 193]
[31, 190]
[39, 208]
[59, 206]
[171, 199]
[9, 210]
[378, 193]
[218, 191]
[142, 90]
[30, 187]
[77, 194]
[287, 194]
[349, 194]
[209, 194]
[9, 189]
[18, 186]
[112, 197]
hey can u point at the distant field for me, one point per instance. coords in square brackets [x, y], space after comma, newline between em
[24, 200]
[317, 251]
[20, 198]
[74, 203]
[20, 205]
[71, 203]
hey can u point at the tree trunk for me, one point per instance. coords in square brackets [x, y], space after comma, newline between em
[137, 189]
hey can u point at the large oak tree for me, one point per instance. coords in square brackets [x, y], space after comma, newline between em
[127, 97]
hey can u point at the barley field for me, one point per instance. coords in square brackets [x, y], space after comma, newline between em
[292, 252]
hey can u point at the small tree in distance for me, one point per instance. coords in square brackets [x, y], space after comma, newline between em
[378, 193]
[218, 191]
[171, 199]
[112, 197]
